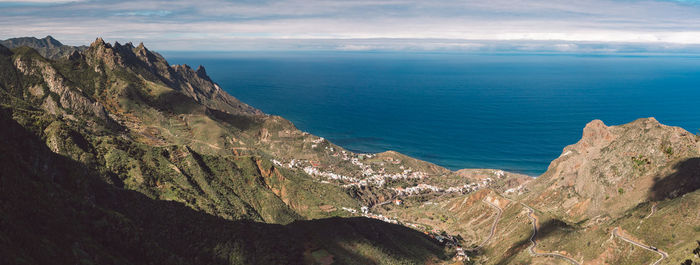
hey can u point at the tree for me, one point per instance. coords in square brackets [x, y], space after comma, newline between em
[696, 254]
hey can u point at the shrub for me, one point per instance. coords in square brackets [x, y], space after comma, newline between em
[668, 150]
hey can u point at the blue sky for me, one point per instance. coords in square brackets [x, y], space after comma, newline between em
[494, 25]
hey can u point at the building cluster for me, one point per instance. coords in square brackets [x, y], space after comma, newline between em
[519, 190]
[351, 210]
[314, 171]
[380, 217]
[470, 187]
[379, 180]
[425, 188]
[367, 176]
[418, 189]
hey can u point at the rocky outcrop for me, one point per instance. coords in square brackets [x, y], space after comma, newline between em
[195, 84]
[69, 97]
[613, 168]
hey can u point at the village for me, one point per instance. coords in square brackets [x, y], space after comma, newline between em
[366, 175]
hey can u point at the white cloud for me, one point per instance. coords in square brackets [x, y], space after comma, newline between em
[40, 1]
[468, 25]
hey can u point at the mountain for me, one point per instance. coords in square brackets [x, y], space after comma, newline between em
[113, 156]
[614, 168]
[110, 155]
[60, 211]
[639, 179]
[48, 46]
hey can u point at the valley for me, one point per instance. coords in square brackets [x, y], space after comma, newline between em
[114, 156]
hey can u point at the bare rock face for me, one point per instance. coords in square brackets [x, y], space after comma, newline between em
[69, 97]
[613, 168]
[595, 133]
[195, 84]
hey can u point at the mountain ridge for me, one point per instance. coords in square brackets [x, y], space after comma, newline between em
[47, 46]
[166, 158]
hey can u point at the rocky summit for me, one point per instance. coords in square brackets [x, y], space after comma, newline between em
[111, 155]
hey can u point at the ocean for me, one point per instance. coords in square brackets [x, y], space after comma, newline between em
[508, 111]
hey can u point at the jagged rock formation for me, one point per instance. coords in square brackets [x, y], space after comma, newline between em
[69, 97]
[153, 67]
[131, 160]
[111, 155]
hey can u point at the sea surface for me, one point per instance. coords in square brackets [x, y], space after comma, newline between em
[509, 111]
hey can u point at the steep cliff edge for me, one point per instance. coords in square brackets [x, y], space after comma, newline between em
[614, 168]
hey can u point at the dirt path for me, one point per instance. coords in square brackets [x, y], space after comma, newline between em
[649, 248]
[531, 249]
[653, 210]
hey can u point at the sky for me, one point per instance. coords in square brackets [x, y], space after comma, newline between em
[359, 25]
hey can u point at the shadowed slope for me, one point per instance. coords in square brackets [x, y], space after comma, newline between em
[60, 211]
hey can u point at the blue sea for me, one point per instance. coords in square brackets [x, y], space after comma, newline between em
[509, 111]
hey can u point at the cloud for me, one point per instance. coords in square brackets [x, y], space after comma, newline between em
[331, 24]
[145, 13]
[39, 1]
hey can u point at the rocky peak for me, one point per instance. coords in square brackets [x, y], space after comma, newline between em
[125, 50]
[613, 168]
[596, 132]
[202, 73]
[181, 67]
[152, 66]
[142, 51]
[147, 56]
[51, 42]
[118, 47]
[99, 42]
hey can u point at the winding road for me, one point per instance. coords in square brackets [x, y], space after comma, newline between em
[493, 226]
[663, 254]
[533, 218]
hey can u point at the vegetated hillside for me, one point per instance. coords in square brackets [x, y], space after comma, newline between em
[111, 155]
[613, 169]
[58, 210]
[641, 178]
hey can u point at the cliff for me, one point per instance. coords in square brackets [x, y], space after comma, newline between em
[614, 168]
